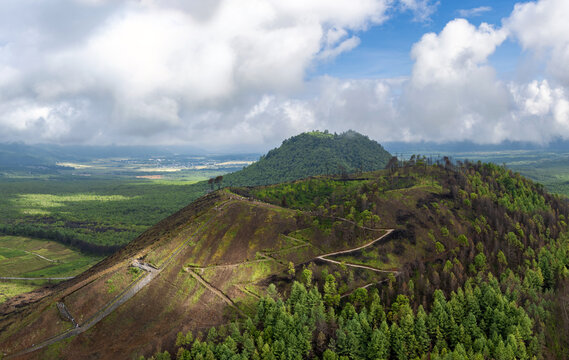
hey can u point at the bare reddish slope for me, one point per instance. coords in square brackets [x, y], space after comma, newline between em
[217, 229]
[196, 269]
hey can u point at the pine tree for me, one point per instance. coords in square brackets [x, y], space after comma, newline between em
[421, 334]
[329, 355]
[306, 277]
[378, 347]
[331, 296]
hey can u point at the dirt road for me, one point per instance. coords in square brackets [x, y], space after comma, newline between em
[131, 290]
[323, 257]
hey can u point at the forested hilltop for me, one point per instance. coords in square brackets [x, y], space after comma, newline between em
[477, 268]
[310, 154]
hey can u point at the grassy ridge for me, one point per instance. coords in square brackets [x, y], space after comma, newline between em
[547, 167]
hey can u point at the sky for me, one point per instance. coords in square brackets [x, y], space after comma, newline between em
[243, 75]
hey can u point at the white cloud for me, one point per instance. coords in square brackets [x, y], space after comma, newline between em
[457, 51]
[453, 92]
[543, 109]
[142, 68]
[542, 27]
[421, 9]
[173, 71]
[477, 11]
[344, 46]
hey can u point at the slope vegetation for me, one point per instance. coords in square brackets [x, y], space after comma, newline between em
[461, 261]
[196, 269]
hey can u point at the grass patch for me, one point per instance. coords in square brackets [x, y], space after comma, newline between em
[27, 257]
[197, 294]
[7, 253]
[134, 272]
[112, 284]
[11, 288]
[186, 283]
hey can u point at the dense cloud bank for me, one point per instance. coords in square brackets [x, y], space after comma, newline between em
[149, 71]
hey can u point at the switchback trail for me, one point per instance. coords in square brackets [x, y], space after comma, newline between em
[387, 232]
[323, 257]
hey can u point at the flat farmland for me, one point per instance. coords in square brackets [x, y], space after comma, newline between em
[23, 257]
[94, 215]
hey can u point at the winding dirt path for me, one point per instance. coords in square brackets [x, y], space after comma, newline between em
[40, 256]
[395, 272]
[324, 257]
[387, 232]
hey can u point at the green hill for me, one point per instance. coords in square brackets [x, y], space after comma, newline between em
[313, 153]
[443, 261]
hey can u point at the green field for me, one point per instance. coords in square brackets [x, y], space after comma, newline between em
[32, 258]
[553, 173]
[99, 212]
